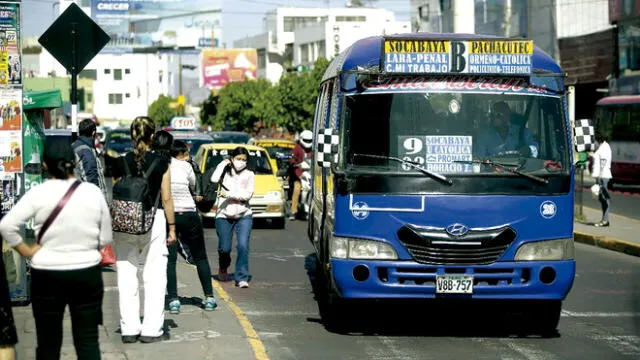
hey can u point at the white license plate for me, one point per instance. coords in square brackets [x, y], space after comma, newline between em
[454, 284]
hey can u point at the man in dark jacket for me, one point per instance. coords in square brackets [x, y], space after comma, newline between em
[300, 153]
[88, 167]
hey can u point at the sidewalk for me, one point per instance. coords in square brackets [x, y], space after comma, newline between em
[623, 235]
[195, 334]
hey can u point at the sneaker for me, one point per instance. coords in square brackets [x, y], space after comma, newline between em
[601, 224]
[130, 339]
[243, 284]
[174, 307]
[209, 304]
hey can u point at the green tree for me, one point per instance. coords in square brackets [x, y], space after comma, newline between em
[209, 109]
[161, 111]
[236, 105]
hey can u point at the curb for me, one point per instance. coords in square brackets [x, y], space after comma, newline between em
[607, 242]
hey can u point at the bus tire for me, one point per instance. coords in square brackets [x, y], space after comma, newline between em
[545, 317]
[336, 317]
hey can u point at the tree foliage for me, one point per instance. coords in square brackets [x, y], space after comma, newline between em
[209, 110]
[161, 111]
[251, 105]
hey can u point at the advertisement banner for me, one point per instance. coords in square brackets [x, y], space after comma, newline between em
[10, 131]
[10, 63]
[220, 67]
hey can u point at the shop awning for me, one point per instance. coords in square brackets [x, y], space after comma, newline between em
[42, 99]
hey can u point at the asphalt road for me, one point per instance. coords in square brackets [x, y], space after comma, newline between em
[625, 204]
[601, 318]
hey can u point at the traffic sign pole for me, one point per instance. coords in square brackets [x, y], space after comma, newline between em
[74, 82]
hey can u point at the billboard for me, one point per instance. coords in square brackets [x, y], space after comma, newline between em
[220, 67]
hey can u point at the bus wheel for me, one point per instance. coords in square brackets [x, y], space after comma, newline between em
[545, 317]
[336, 317]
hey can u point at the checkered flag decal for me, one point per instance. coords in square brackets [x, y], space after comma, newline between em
[328, 140]
[584, 138]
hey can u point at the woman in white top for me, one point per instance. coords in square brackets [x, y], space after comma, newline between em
[234, 214]
[188, 229]
[65, 269]
[602, 174]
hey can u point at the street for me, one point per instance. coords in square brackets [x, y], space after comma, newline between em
[601, 318]
[624, 202]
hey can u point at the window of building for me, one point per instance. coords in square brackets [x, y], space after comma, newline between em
[629, 47]
[89, 97]
[304, 53]
[115, 99]
[107, 71]
[127, 95]
[89, 74]
[291, 23]
[117, 74]
[127, 71]
[322, 48]
[351, 18]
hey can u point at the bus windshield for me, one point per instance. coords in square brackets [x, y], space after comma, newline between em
[445, 132]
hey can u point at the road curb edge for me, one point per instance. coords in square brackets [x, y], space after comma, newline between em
[607, 242]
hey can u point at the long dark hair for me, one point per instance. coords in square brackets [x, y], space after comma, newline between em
[59, 168]
[240, 150]
[161, 144]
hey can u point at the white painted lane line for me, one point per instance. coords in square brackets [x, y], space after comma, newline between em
[567, 313]
[628, 345]
[529, 352]
[501, 350]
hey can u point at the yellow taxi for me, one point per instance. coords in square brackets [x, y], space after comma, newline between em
[277, 148]
[268, 198]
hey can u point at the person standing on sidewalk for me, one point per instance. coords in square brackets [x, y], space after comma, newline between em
[152, 247]
[89, 167]
[602, 174]
[234, 213]
[66, 269]
[188, 229]
[301, 152]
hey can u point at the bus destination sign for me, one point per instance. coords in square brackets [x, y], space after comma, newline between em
[495, 57]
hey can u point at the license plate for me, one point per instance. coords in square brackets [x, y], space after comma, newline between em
[454, 284]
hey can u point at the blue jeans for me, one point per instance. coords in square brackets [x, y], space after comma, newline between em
[242, 227]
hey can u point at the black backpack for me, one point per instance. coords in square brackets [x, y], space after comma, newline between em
[132, 210]
[210, 189]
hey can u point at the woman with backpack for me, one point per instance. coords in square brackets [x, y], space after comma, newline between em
[233, 213]
[72, 223]
[152, 246]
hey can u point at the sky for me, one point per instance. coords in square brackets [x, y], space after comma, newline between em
[241, 18]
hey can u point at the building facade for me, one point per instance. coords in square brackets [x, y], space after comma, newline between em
[625, 15]
[298, 36]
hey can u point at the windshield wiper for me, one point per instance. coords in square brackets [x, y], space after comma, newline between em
[410, 163]
[503, 167]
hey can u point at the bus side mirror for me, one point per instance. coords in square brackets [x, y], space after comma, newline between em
[328, 141]
[584, 136]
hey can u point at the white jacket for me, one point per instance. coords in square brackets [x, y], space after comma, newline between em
[239, 190]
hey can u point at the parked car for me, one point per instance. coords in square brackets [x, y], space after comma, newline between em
[118, 142]
[268, 201]
[194, 139]
[230, 137]
[279, 151]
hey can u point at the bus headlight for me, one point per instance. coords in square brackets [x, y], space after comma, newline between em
[560, 249]
[346, 248]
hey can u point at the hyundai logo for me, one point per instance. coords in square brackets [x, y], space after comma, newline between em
[457, 230]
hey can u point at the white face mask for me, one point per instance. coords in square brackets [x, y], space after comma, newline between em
[239, 165]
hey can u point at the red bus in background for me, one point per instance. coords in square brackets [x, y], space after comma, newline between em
[618, 117]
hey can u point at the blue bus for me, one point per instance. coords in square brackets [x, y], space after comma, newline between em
[443, 170]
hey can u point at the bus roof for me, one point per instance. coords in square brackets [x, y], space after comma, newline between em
[620, 100]
[368, 52]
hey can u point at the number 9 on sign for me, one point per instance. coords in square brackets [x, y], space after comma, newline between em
[412, 145]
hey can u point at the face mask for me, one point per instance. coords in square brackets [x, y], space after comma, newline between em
[239, 165]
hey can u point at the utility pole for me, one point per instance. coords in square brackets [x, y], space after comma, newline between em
[507, 18]
[464, 16]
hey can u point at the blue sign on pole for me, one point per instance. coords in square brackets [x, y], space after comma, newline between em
[110, 12]
[206, 42]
